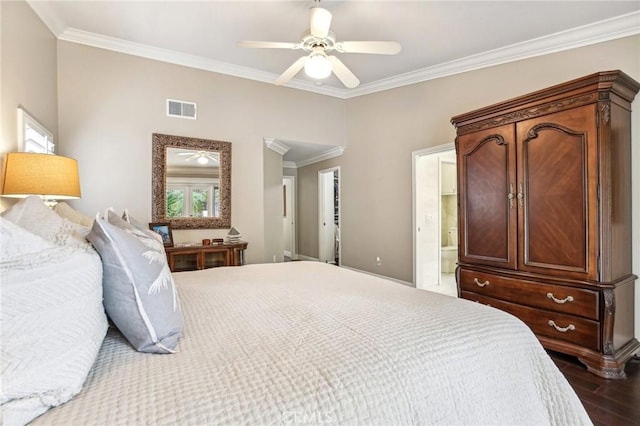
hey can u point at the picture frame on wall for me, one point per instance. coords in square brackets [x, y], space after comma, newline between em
[164, 230]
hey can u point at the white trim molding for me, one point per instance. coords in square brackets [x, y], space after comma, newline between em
[597, 32]
[408, 284]
[275, 145]
[336, 151]
[308, 258]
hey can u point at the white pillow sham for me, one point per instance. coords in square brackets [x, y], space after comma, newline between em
[33, 215]
[53, 321]
[66, 211]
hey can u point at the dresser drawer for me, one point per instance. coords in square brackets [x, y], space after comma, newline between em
[568, 328]
[558, 298]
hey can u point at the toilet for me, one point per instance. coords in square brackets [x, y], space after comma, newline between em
[449, 253]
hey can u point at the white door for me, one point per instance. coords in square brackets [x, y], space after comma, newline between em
[289, 216]
[328, 214]
[427, 215]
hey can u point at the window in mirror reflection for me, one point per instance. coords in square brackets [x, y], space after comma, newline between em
[186, 199]
[192, 183]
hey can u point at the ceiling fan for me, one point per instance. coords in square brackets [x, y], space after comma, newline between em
[316, 43]
[202, 157]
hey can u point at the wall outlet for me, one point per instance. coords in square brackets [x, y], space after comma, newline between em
[378, 261]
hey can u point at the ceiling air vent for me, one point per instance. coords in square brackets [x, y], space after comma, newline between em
[181, 109]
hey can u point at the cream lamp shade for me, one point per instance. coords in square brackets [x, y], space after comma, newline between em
[52, 177]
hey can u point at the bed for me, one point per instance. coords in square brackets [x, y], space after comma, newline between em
[311, 343]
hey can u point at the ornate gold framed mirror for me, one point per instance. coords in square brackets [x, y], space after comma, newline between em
[191, 182]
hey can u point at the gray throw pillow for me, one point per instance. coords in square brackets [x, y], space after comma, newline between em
[134, 227]
[140, 295]
[126, 216]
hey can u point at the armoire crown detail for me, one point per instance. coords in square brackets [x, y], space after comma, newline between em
[544, 223]
[529, 113]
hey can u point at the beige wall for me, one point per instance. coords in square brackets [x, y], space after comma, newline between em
[308, 244]
[384, 128]
[273, 199]
[27, 74]
[111, 103]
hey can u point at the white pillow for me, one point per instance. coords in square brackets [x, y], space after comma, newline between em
[53, 321]
[66, 211]
[33, 215]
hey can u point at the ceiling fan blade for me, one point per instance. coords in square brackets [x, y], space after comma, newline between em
[375, 47]
[319, 22]
[269, 45]
[291, 71]
[343, 73]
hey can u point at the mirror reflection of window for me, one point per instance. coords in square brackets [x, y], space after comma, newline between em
[192, 200]
[175, 202]
[192, 183]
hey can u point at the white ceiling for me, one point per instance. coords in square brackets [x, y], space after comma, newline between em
[438, 38]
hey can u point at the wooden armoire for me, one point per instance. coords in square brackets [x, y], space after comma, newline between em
[545, 215]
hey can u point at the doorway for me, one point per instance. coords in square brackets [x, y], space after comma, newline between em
[435, 219]
[289, 217]
[329, 215]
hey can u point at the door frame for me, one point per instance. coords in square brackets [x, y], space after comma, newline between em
[321, 207]
[291, 213]
[415, 155]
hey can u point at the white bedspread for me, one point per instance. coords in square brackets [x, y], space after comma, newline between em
[310, 343]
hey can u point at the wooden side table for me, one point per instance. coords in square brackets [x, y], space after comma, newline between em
[191, 258]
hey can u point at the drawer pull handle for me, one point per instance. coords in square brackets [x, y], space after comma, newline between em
[559, 301]
[570, 327]
[484, 284]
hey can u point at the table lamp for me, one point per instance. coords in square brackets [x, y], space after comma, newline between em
[52, 177]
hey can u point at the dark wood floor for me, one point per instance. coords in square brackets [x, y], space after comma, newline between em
[608, 402]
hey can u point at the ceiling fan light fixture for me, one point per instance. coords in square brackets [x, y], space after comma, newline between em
[202, 160]
[318, 66]
[320, 41]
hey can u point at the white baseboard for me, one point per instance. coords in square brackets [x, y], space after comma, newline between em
[408, 284]
[303, 257]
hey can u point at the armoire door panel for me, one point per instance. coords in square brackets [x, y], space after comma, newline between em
[488, 218]
[554, 167]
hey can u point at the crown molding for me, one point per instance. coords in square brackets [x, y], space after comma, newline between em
[87, 38]
[335, 151]
[598, 32]
[281, 148]
[276, 146]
